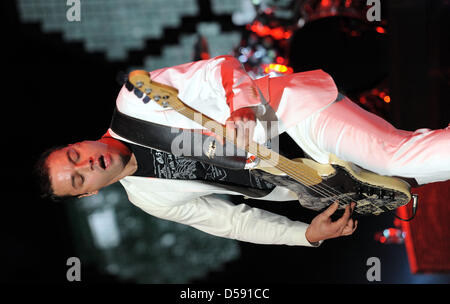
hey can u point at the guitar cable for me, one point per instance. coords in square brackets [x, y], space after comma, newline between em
[414, 209]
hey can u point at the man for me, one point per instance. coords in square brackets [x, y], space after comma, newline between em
[307, 107]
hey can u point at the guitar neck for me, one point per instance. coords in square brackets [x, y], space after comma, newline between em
[295, 170]
[167, 96]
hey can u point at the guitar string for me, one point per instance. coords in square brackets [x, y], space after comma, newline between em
[288, 167]
[302, 179]
[317, 188]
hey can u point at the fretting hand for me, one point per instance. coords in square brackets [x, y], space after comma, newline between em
[240, 126]
[322, 228]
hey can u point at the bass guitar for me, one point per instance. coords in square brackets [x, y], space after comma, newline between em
[317, 185]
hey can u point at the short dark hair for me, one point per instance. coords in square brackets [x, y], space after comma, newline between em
[41, 172]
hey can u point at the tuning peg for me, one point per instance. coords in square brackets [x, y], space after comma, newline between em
[156, 98]
[139, 84]
[129, 86]
[147, 90]
[146, 99]
[138, 93]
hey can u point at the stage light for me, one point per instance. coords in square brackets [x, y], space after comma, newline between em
[277, 68]
[276, 33]
[380, 30]
[243, 58]
[390, 236]
[287, 34]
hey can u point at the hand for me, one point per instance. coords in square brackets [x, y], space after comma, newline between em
[322, 228]
[240, 126]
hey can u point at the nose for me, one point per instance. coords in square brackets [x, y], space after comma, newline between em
[85, 165]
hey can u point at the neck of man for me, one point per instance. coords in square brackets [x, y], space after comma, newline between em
[130, 167]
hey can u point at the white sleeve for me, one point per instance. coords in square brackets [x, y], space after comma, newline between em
[218, 85]
[217, 216]
[240, 89]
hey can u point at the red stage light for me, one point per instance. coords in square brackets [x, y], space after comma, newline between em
[279, 68]
[277, 33]
[263, 30]
[387, 99]
[380, 30]
[287, 34]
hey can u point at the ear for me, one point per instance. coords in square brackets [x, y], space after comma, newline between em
[88, 194]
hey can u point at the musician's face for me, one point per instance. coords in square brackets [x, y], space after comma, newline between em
[85, 167]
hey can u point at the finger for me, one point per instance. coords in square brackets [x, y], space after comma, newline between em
[340, 223]
[246, 115]
[355, 226]
[248, 132]
[240, 134]
[331, 209]
[251, 130]
[348, 229]
[230, 131]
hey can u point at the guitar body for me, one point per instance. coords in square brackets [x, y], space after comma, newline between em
[342, 181]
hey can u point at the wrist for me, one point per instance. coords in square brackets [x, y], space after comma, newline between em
[313, 240]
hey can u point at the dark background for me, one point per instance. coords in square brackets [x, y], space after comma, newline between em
[56, 93]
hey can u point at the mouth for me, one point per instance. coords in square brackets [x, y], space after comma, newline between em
[103, 162]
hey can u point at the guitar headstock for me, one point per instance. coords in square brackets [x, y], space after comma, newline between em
[148, 90]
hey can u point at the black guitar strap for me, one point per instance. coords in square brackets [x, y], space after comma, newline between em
[161, 137]
[188, 142]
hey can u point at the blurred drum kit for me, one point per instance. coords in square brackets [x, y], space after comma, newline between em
[338, 27]
[340, 37]
[333, 35]
[311, 10]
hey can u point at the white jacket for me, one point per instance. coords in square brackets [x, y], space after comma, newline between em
[216, 87]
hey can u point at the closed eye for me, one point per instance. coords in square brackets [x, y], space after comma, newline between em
[77, 180]
[73, 155]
